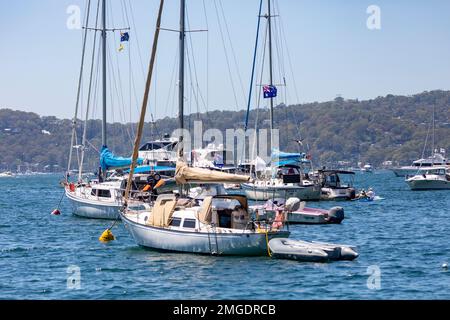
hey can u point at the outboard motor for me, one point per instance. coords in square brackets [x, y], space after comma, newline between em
[352, 193]
[336, 214]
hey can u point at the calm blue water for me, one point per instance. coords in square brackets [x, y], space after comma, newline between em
[406, 236]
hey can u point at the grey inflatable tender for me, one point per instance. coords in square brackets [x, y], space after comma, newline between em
[336, 215]
[283, 248]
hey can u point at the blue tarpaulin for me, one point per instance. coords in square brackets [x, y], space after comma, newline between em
[109, 161]
[143, 169]
[285, 158]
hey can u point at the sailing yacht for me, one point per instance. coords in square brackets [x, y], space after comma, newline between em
[219, 224]
[101, 198]
[286, 178]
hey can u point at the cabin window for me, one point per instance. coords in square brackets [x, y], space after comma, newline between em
[225, 219]
[104, 193]
[189, 223]
[94, 192]
[176, 222]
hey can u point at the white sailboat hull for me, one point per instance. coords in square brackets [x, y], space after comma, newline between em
[245, 243]
[92, 209]
[263, 193]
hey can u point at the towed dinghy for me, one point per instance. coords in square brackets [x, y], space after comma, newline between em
[283, 248]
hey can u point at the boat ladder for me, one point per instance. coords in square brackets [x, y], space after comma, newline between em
[212, 239]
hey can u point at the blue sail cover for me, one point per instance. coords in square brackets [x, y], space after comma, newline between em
[145, 169]
[279, 158]
[109, 161]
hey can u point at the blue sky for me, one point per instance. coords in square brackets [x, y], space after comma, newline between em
[331, 52]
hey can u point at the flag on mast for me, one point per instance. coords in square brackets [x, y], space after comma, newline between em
[124, 36]
[269, 91]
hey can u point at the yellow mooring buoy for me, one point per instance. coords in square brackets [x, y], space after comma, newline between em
[106, 236]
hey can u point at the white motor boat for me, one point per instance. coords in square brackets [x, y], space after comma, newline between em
[367, 168]
[436, 160]
[333, 188]
[161, 152]
[6, 174]
[436, 178]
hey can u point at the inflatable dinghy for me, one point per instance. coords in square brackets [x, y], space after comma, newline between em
[298, 213]
[283, 248]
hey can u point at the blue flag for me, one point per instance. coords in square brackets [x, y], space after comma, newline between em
[269, 91]
[124, 36]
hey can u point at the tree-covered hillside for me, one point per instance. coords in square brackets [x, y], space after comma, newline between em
[386, 128]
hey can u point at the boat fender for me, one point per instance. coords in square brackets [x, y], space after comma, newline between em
[336, 214]
[147, 188]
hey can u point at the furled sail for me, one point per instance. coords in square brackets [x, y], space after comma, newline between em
[109, 161]
[279, 158]
[185, 174]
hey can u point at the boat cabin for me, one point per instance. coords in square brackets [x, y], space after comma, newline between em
[334, 179]
[438, 171]
[223, 211]
[289, 174]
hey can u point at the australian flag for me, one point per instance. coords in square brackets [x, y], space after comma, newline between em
[269, 91]
[124, 36]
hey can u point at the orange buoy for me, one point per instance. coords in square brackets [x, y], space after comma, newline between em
[56, 212]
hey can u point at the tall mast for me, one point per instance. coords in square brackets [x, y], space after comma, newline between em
[104, 73]
[140, 127]
[74, 120]
[270, 70]
[433, 127]
[181, 76]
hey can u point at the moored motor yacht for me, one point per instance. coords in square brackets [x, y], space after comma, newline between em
[435, 178]
[436, 160]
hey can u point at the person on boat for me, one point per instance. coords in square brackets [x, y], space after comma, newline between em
[362, 194]
[279, 219]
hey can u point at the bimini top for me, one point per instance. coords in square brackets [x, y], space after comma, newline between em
[185, 174]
